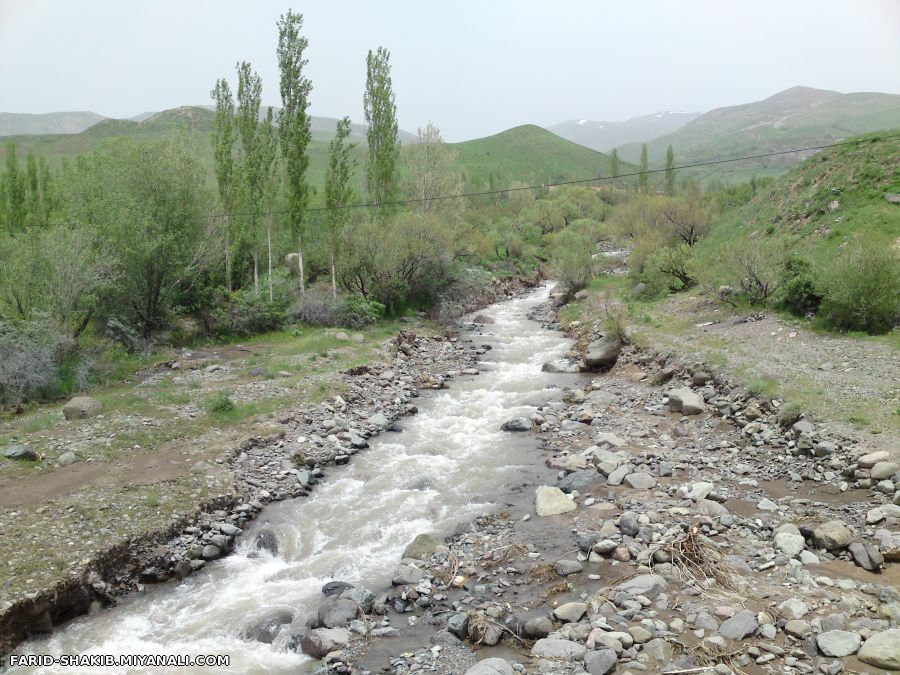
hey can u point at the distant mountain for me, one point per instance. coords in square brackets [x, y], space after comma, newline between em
[12, 124]
[604, 136]
[795, 118]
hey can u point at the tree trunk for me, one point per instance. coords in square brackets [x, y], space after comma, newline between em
[256, 271]
[300, 263]
[228, 257]
[333, 278]
[269, 242]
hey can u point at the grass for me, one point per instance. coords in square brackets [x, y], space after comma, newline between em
[763, 386]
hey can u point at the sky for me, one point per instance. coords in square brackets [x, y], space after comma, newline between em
[473, 67]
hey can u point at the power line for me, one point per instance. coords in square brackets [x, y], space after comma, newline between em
[579, 181]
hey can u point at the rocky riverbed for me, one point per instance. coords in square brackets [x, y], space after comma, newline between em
[683, 525]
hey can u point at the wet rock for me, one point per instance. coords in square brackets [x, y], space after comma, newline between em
[580, 480]
[838, 643]
[832, 535]
[320, 642]
[551, 501]
[458, 625]
[266, 627]
[210, 552]
[648, 585]
[559, 367]
[483, 319]
[517, 424]
[686, 401]
[555, 648]
[421, 547]
[538, 627]
[600, 662]
[406, 575]
[379, 420]
[866, 555]
[602, 353]
[82, 407]
[566, 567]
[493, 666]
[741, 625]
[337, 611]
[266, 540]
[362, 597]
[882, 650]
[20, 452]
[570, 612]
[335, 588]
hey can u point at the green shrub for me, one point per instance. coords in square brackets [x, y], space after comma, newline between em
[219, 404]
[669, 267]
[801, 290]
[319, 308]
[789, 414]
[358, 311]
[862, 290]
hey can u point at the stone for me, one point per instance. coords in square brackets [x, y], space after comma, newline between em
[210, 552]
[580, 480]
[20, 452]
[483, 319]
[628, 524]
[266, 540]
[266, 628]
[538, 627]
[883, 470]
[866, 555]
[832, 535]
[66, 458]
[648, 585]
[741, 625]
[337, 611]
[570, 612]
[640, 635]
[600, 662]
[838, 643]
[378, 420]
[335, 588]
[320, 642]
[406, 575]
[517, 424]
[871, 459]
[602, 353]
[659, 650]
[882, 650]
[551, 501]
[766, 504]
[458, 625]
[492, 666]
[617, 475]
[361, 597]
[686, 401]
[790, 544]
[556, 648]
[422, 547]
[793, 609]
[639, 480]
[700, 490]
[82, 407]
[797, 627]
[342, 336]
[566, 567]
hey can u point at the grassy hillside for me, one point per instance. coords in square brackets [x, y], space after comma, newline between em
[524, 154]
[47, 123]
[527, 154]
[604, 136]
[855, 177]
[794, 118]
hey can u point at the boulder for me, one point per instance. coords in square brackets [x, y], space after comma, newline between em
[600, 662]
[493, 666]
[559, 367]
[789, 543]
[686, 401]
[648, 585]
[406, 575]
[360, 596]
[266, 627]
[551, 501]
[378, 420]
[838, 643]
[580, 480]
[517, 424]
[322, 641]
[793, 608]
[639, 481]
[871, 459]
[882, 650]
[458, 625]
[570, 612]
[555, 648]
[483, 319]
[20, 452]
[266, 540]
[421, 547]
[337, 611]
[335, 588]
[538, 627]
[602, 353]
[883, 470]
[66, 458]
[741, 625]
[866, 555]
[81, 407]
[832, 535]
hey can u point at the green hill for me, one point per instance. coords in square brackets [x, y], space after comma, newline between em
[833, 198]
[795, 118]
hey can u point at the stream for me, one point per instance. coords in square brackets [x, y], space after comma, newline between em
[448, 465]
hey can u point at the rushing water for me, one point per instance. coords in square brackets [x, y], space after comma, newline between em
[445, 467]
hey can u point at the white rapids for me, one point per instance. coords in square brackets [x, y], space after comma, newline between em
[444, 468]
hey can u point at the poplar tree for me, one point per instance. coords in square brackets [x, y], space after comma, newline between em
[223, 153]
[614, 163]
[338, 191]
[382, 131]
[670, 172]
[15, 190]
[294, 123]
[642, 179]
[252, 175]
[269, 168]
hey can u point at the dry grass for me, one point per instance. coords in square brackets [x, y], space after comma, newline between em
[700, 562]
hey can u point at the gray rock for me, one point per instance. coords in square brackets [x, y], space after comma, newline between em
[628, 523]
[741, 625]
[659, 650]
[379, 420]
[639, 480]
[492, 666]
[406, 575]
[793, 608]
[266, 540]
[883, 470]
[210, 552]
[559, 367]
[882, 650]
[337, 611]
[517, 424]
[832, 535]
[570, 612]
[82, 407]
[458, 625]
[839, 643]
[579, 480]
[322, 641]
[866, 555]
[617, 475]
[648, 585]
[566, 567]
[790, 544]
[421, 547]
[538, 627]
[20, 452]
[66, 458]
[551, 501]
[266, 627]
[555, 648]
[686, 401]
[335, 588]
[360, 596]
[600, 662]
[602, 353]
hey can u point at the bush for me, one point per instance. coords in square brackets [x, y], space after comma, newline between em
[31, 356]
[669, 266]
[789, 414]
[358, 311]
[756, 265]
[318, 307]
[802, 293]
[862, 290]
[219, 404]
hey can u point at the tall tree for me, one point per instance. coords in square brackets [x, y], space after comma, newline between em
[15, 190]
[431, 171]
[642, 179]
[268, 158]
[614, 163]
[382, 130]
[223, 137]
[338, 191]
[294, 123]
[670, 172]
[251, 170]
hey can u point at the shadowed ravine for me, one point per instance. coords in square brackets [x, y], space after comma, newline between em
[444, 468]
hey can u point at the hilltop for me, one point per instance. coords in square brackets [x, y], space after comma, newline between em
[47, 123]
[794, 118]
[604, 136]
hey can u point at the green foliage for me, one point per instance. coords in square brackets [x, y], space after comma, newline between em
[571, 255]
[789, 414]
[614, 167]
[643, 177]
[862, 290]
[219, 404]
[801, 290]
[381, 129]
[359, 311]
[338, 193]
[671, 267]
[670, 172]
[31, 356]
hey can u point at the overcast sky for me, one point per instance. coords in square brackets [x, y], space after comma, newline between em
[474, 67]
